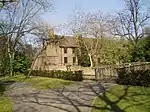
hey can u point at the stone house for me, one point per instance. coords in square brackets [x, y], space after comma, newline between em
[56, 56]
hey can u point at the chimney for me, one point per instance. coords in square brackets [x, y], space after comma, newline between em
[77, 38]
[51, 33]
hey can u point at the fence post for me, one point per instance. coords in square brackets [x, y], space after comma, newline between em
[96, 74]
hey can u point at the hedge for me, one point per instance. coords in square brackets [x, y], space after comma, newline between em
[66, 75]
[134, 77]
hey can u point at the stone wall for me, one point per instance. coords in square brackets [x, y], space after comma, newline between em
[111, 70]
[88, 72]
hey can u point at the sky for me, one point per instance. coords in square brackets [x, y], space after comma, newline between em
[64, 9]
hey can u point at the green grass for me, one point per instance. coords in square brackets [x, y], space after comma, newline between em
[46, 83]
[123, 99]
[5, 104]
[2, 89]
[38, 82]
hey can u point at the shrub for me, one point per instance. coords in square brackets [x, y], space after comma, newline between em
[78, 75]
[142, 50]
[66, 75]
[21, 63]
[134, 77]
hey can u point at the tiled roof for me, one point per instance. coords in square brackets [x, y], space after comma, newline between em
[68, 41]
[71, 41]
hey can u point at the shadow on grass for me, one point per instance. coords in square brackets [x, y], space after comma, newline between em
[78, 98]
[123, 99]
[4, 85]
[109, 104]
[2, 89]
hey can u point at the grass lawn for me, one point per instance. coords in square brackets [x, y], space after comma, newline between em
[5, 103]
[123, 99]
[38, 82]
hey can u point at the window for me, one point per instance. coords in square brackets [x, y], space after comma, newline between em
[73, 50]
[65, 50]
[74, 59]
[65, 60]
[98, 60]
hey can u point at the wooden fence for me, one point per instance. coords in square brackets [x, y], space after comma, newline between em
[111, 70]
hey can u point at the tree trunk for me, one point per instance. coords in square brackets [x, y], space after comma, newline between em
[11, 59]
[91, 61]
[33, 61]
[11, 64]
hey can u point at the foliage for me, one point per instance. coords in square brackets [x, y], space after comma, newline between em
[110, 51]
[19, 22]
[91, 25]
[38, 82]
[82, 55]
[114, 51]
[84, 60]
[4, 59]
[142, 51]
[21, 63]
[66, 75]
[4, 64]
[123, 99]
[134, 77]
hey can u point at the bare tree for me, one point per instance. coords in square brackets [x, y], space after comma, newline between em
[130, 22]
[43, 34]
[19, 22]
[5, 2]
[147, 31]
[93, 25]
[46, 36]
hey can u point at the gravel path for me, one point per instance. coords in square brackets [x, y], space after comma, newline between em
[76, 97]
